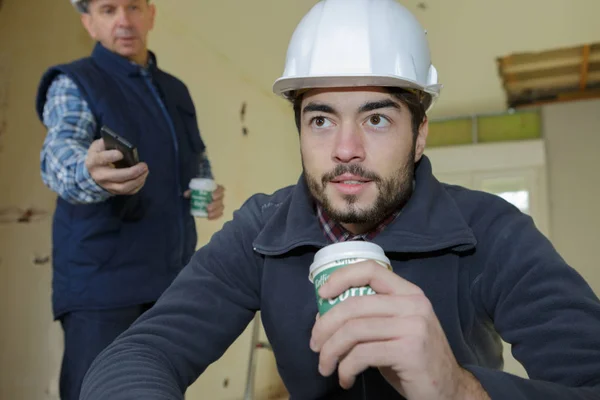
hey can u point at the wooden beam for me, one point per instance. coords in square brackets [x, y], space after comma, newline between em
[581, 95]
[552, 82]
[563, 98]
[585, 64]
[505, 63]
[542, 65]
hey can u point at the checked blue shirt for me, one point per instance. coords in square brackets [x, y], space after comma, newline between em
[71, 126]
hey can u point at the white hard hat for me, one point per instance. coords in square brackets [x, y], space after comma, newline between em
[343, 43]
[80, 5]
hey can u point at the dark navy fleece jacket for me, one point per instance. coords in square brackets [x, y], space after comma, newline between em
[488, 272]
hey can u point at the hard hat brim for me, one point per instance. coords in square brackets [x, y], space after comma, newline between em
[282, 86]
[286, 86]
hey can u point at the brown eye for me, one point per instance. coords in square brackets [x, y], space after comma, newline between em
[375, 119]
[378, 121]
[320, 122]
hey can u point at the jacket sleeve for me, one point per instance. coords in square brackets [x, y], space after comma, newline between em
[198, 317]
[545, 309]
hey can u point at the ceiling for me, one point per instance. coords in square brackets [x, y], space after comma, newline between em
[466, 38]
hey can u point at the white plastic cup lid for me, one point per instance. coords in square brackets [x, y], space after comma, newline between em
[349, 249]
[203, 184]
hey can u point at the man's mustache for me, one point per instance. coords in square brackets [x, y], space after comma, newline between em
[125, 33]
[354, 169]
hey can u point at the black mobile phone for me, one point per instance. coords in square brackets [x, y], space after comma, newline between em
[112, 141]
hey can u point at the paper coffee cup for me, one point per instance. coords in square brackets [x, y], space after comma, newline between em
[338, 255]
[202, 190]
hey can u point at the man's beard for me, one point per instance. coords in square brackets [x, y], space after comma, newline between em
[392, 193]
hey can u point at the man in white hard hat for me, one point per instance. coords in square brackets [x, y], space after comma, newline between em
[468, 267]
[120, 235]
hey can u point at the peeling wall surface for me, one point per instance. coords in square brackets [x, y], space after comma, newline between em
[30, 341]
[235, 125]
[4, 80]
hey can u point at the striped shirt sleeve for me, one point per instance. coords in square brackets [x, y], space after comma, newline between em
[71, 128]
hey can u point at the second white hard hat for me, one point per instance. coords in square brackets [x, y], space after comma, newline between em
[80, 5]
[348, 43]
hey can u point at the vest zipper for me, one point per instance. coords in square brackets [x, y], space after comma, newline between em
[150, 84]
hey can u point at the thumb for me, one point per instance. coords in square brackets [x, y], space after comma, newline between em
[97, 146]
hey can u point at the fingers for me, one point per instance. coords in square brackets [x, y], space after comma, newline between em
[97, 146]
[108, 175]
[107, 157]
[98, 156]
[395, 330]
[353, 333]
[99, 163]
[216, 207]
[127, 187]
[378, 277]
[102, 159]
[365, 355]
[369, 330]
[215, 211]
[366, 308]
[218, 194]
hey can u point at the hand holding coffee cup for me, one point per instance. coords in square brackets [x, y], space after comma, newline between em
[338, 255]
[215, 209]
[390, 324]
[206, 198]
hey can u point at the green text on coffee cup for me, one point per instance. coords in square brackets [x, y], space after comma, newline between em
[200, 200]
[325, 305]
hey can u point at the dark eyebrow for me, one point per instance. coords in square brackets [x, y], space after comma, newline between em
[375, 105]
[319, 107]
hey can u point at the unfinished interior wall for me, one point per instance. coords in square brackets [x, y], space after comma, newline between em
[238, 121]
[572, 133]
[30, 343]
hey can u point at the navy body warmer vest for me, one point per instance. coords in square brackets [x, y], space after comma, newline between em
[128, 249]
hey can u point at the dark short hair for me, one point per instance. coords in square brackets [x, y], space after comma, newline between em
[414, 100]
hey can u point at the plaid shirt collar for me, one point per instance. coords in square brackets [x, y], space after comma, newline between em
[337, 233]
